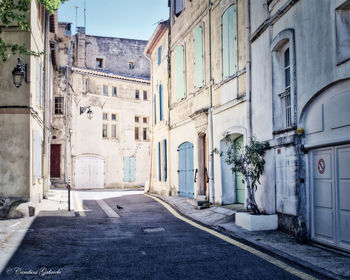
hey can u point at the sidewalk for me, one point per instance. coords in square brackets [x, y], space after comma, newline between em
[12, 231]
[328, 262]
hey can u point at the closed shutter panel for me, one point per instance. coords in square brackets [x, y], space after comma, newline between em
[225, 48]
[179, 5]
[180, 72]
[155, 109]
[132, 168]
[159, 164]
[159, 55]
[126, 169]
[198, 57]
[37, 155]
[232, 40]
[160, 102]
[165, 171]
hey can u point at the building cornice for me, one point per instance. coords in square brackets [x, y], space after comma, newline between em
[109, 75]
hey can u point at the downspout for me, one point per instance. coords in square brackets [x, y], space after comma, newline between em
[169, 164]
[46, 109]
[66, 115]
[248, 71]
[211, 136]
[152, 122]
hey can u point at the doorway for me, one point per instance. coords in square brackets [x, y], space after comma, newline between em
[55, 161]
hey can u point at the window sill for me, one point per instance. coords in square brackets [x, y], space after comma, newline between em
[284, 130]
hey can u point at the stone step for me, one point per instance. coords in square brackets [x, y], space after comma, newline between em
[198, 204]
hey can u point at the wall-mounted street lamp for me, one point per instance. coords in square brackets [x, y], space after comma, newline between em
[89, 112]
[19, 73]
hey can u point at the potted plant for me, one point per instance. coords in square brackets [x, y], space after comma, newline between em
[249, 161]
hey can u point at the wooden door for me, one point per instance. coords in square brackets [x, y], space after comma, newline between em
[55, 159]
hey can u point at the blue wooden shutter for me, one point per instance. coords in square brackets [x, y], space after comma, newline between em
[165, 171]
[37, 155]
[179, 5]
[225, 48]
[159, 164]
[180, 72]
[155, 109]
[160, 102]
[132, 168]
[198, 57]
[126, 169]
[232, 38]
[159, 55]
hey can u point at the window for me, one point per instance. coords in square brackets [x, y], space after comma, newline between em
[131, 65]
[99, 63]
[113, 117]
[342, 20]
[104, 131]
[285, 96]
[137, 136]
[178, 7]
[229, 42]
[159, 55]
[137, 94]
[144, 95]
[198, 57]
[144, 134]
[59, 105]
[113, 131]
[159, 163]
[37, 155]
[145, 120]
[165, 171]
[155, 109]
[283, 63]
[160, 102]
[137, 119]
[105, 116]
[105, 90]
[180, 72]
[114, 91]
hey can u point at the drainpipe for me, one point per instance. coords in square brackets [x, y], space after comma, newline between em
[152, 122]
[66, 114]
[46, 109]
[211, 136]
[248, 70]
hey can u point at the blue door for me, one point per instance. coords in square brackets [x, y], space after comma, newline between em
[227, 177]
[186, 170]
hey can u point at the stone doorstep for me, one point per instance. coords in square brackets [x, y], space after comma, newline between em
[198, 204]
[224, 211]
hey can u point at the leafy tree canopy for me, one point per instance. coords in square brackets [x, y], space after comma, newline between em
[15, 13]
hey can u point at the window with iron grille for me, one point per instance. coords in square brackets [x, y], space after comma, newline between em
[59, 105]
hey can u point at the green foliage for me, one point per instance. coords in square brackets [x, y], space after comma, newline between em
[249, 161]
[15, 13]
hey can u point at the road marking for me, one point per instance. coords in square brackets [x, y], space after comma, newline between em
[78, 206]
[261, 255]
[107, 209]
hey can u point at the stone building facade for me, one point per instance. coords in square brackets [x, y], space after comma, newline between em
[300, 104]
[108, 113]
[206, 91]
[277, 70]
[25, 113]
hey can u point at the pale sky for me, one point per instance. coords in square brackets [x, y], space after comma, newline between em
[134, 19]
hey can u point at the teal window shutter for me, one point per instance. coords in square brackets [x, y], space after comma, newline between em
[37, 155]
[198, 57]
[132, 168]
[155, 109]
[159, 164]
[229, 42]
[159, 55]
[165, 171]
[160, 102]
[126, 169]
[180, 72]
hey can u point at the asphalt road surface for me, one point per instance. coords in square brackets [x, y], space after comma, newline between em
[145, 242]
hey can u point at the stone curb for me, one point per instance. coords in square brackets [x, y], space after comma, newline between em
[312, 269]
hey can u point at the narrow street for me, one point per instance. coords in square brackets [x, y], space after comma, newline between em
[145, 242]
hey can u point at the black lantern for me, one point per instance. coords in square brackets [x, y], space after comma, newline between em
[89, 111]
[19, 74]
